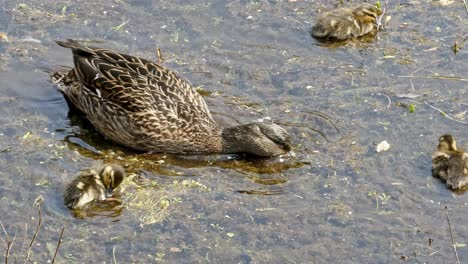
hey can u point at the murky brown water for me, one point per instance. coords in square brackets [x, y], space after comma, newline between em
[327, 202]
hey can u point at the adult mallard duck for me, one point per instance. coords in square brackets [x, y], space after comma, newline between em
[89, 185]
[147, 107]
[345, 23]
[449, 163]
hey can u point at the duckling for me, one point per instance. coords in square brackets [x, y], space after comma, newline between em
[345, 23]
[89, 185]
[449, 163]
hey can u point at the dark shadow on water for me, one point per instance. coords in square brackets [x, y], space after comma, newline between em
[334, 43]
[100, 211]
[83, 138]
[262, 192]
[460, 191]
[456, 191]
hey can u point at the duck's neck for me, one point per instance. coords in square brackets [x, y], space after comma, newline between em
[233, 140]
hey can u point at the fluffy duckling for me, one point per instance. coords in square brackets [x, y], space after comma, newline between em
[89, 185]
[450, 163]
[345, 23]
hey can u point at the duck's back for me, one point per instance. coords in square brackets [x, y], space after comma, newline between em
[136, 102]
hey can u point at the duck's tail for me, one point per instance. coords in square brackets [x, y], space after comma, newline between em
[63, 79]
[57, 77]
[78, 47]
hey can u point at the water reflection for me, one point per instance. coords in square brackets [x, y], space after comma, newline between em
[362, 41]
[165, 164]
[79, 135]
[101, 210]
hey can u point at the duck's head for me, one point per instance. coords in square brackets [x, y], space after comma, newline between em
[260, 139]
[367, 12]
[447, 143]
[111, 176]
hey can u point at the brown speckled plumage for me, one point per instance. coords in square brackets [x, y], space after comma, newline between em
[148, 107]
[345, 23]
[450, 164]
[90, 185]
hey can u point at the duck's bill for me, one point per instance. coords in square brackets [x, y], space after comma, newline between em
[108, 193]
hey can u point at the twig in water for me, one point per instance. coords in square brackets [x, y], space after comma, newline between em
[445, 114]
[119, 27]
[38, 203]
[466, 7]
[113, 255]
[441, 77]
[233, 2]
[58, 244]
[6, 234]
[388, 98]
[456, 47]
[8, 243]
[422, 68]
[158, 52]
[451, 234]
[427, 65]
[378, 21]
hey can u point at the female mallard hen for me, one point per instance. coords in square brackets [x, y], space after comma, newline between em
[89, 185]
[147, 107]
[345, 23]
[449, 163]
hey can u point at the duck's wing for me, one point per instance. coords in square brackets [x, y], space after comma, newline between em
[138, 85]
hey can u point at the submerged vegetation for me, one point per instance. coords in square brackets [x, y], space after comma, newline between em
[333, 199]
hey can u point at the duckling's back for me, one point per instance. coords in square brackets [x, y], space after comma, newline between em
[457, 171]
[333, 24]
[344, 23]
[85, 188]
[440, 163]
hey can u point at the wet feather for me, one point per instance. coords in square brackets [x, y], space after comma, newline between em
[90, 185]
[450, 164]
[345, 23]
[145, 106]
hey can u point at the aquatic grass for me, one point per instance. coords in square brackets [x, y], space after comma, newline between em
[383, 198]
[120, 26]
[152, 202]
[454, 247]
[149, 206]
[444, 114]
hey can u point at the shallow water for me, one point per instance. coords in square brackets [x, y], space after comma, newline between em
[335, 201]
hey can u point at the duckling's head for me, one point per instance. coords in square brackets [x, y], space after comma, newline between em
[447, 143]
[111, 176]
[260, 139]
[367, 12]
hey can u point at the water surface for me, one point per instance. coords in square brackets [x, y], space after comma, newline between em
[332, 200]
